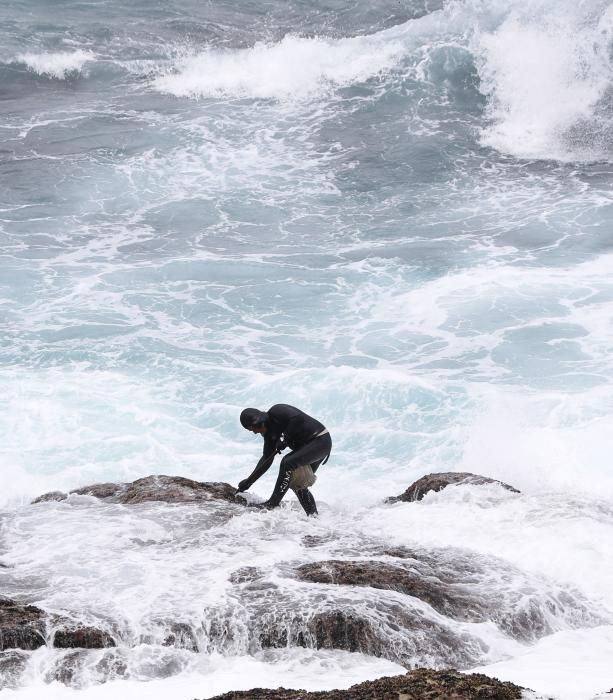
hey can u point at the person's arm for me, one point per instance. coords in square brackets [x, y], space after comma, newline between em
[261, 467]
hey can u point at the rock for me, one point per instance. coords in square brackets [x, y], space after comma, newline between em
[12, 665]
[25, 627]
[170, 489]
[51, 496]
[246, 574]
[453, 601]
[79, 667]
[421, 684]
[437, 482]
[382, 626]
[461, 586]
[339, 630]
[82, 638]
[181, 636]
[67, 668]
[21, 626]
[176, 489]
[106, 490]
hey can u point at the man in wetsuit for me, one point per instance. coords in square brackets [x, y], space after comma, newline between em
[310, 444]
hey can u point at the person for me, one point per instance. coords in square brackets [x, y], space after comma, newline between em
[310, 444]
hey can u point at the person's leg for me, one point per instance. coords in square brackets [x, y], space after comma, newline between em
[312, 453]
[285, 475]
[305, 497]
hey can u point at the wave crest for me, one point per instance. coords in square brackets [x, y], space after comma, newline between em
[547, 76]
[294, 67]
[59, 65]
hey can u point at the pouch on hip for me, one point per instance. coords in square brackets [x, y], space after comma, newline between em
[302, 478]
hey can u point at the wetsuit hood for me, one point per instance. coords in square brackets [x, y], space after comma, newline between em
[251, 417]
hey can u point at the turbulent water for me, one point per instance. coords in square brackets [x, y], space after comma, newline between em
[397, 216]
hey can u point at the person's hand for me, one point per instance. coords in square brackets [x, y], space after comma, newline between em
[243, 485]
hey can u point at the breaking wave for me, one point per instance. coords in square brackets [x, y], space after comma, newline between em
[59, 65]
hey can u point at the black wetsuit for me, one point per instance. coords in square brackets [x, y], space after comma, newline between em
[287, 426]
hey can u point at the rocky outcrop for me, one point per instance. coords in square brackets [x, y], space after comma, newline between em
[454, 601]
[12, 665]
[387, 626]
[437, 482]
[181, 636]
[71, 667]
[21, 626]
[26, 627]
[169, 489]
[421, 684]
[82, 638]
[462, 587]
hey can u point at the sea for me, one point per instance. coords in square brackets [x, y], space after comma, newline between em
[397, 216]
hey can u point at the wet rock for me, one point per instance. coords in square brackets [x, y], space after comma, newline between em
[176, 489]
[421, 684]
[82, 638]
[106, 490]
[332, 629]
[12, 665]
[246, 574]
[25, 627]
[382, 626]
[311, 541]
[79, 667]
[21, 626]
[338, 629]
[51, 496]
[462, 587]
[67, 669]
[437, 482]
[453, 601]
[170, 489]
[181, 636]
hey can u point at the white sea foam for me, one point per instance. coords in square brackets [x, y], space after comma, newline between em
[294, 67]
[545, 69]
[214, 674]
[570, 665]
[59, 64]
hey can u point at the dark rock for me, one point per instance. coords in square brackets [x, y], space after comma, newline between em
[453, 601]
[437, 482]
[176, 489]
[333, 629]
[384, 627]
[338, 629]
[170, 489]
[51, 496]
[12, 665]
[421, 684]
[82, 638]
[106, 490]
[79, 667]
[67, 668]
[461, 587]
[181, 636]
[21, 626]
[246, 574]
[311, 541]
[25, 627]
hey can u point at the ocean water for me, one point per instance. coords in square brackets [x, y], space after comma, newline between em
[398, 217]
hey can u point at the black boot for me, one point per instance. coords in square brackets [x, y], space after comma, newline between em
[307, 501]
